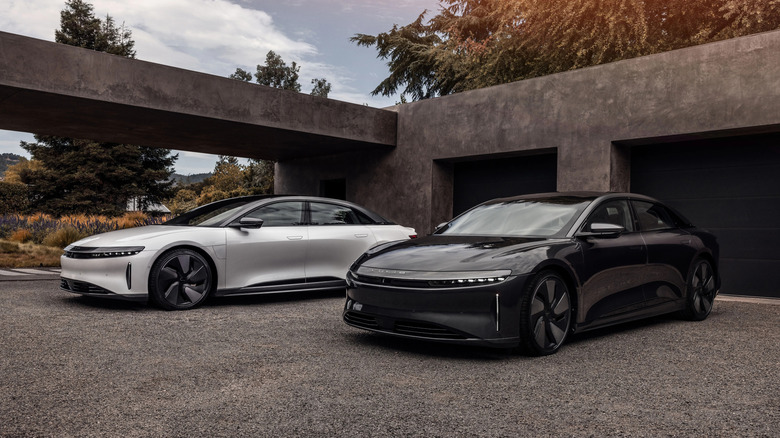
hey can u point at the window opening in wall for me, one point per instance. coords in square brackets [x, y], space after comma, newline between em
[334, 188]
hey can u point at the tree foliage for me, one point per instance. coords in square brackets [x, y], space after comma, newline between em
[73, 175]
[241, 75]
[473, 44]
[79, 27]
[321, 87]
[276, 73]
[229, 179]
[69, 175]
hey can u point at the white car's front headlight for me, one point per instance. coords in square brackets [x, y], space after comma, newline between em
[85, 252]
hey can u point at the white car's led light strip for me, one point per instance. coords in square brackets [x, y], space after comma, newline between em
[80, 252]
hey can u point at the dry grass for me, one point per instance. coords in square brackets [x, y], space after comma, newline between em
[21, 236]
[27, 255]
[37, 240]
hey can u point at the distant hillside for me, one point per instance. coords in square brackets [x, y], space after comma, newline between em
[182, 180]
[6, 160]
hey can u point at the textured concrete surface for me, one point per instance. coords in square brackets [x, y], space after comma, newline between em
[287, 366]
[589, 117]
[50, 88]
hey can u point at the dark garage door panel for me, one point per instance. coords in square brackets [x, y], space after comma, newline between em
[731, 187]
[479, 181]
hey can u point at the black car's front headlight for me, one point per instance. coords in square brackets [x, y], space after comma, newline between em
[85, 252]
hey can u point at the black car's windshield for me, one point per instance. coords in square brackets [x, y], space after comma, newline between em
[537, 217]
[210, 215]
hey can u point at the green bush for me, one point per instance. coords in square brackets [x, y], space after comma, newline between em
[13, 198]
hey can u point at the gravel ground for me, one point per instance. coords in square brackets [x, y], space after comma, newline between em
[287, 366]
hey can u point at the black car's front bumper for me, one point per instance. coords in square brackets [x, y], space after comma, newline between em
[481, 314]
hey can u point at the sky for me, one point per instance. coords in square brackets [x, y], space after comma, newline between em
[217, 36]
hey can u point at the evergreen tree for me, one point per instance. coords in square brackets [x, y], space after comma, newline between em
[83, 176]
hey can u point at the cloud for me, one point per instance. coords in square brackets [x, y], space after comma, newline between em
[210, 36]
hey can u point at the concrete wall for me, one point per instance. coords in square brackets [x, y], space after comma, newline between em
[55, 89]
[590, 116]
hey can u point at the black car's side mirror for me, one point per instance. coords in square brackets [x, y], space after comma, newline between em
[248, 222]
[602, 230]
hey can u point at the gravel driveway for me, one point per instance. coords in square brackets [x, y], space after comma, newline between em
[286, 365]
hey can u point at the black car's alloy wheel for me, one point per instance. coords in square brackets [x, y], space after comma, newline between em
[545, 315]
[180, 280]
[701, 291]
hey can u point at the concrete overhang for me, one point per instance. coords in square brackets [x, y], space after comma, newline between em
[56, 89]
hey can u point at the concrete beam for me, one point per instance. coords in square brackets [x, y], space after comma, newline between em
[55, 89]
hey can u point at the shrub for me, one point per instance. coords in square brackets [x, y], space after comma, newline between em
[63, 237]
[131, 219]
[21, 235]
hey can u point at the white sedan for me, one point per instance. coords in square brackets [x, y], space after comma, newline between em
[239, 246]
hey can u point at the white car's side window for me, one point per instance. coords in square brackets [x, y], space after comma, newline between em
[280, 214]
[331, 214]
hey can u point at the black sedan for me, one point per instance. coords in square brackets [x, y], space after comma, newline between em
[527, 271]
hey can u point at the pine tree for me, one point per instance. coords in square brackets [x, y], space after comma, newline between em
[83, 176]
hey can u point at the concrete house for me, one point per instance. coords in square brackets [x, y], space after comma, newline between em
[697, 127]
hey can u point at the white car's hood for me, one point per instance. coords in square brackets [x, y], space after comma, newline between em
[153, 237]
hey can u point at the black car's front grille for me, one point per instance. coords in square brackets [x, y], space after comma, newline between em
[428, 330]
[360, 319]
[403, 327]
[81, 287]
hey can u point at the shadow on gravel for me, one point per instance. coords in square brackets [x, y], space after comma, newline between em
[451, 351]
[625, 327]
[106, 303]
[430, 349]
[249, 300]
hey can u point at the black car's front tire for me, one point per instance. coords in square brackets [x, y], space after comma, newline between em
[545, 315]
[180, 279]
[701, 291]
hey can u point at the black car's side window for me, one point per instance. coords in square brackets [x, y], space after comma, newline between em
[331, 214]
[652, 216]
[614, 212]
[280, 214]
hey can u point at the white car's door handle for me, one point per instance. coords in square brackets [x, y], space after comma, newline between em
[361, 235]
[294, 237]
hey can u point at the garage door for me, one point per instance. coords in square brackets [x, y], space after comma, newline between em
[478, 181]
[731, 187]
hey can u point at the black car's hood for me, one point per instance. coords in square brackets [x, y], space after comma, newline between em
[443, 253]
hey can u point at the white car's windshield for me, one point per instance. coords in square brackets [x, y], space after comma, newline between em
[517, 218]
[210, 215]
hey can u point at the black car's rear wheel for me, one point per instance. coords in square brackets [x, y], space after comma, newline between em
[180, 280]
[545, 315]
[701, 291]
